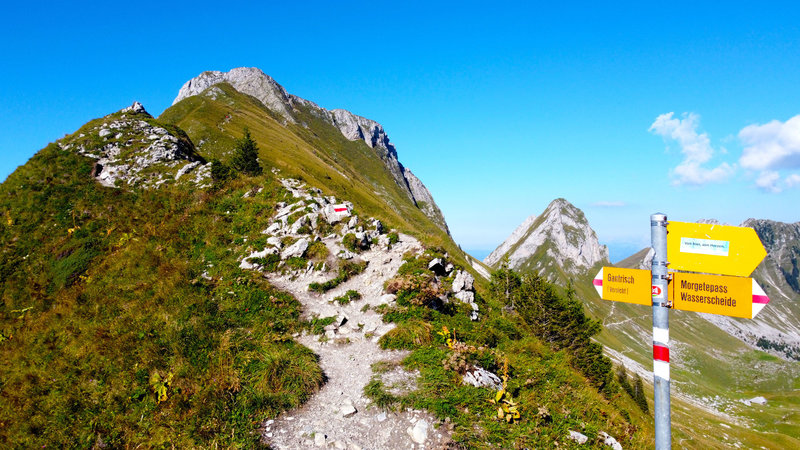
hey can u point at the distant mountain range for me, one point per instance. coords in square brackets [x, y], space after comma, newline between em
[560, 245]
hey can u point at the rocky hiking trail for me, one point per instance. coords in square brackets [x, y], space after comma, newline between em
[340, 415]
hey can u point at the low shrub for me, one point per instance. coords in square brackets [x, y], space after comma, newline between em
[408, 335]
[269, 263]
[349, 296]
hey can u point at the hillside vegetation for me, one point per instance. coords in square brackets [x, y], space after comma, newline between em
[127, 320]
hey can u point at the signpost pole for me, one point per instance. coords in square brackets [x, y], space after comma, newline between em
[658, 239]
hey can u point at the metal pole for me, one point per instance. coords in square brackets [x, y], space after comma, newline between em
[661, 410]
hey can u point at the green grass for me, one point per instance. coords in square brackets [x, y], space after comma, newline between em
[348, 297]
[120, 300]
[315, 152]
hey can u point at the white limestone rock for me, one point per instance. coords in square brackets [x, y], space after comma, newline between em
[463, 281]
[346, 409]
[419, 433]
[247, 265]
[297, 249]
[480, 377]
[609, 441]
[465, 296]
[580, 438]
[272, 229]
[139, 147]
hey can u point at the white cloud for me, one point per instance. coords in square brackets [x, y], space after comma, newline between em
[769, 148]
[793, 180]
[695, 147]
[606, 204]
[768, 181]
[775, 145]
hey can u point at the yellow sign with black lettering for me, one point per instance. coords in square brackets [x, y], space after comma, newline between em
[714, 294]
[624, 285]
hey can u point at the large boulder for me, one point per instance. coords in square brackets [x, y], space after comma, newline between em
[298, 249]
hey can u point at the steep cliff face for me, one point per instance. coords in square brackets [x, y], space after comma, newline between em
[558, 243]
[424, 199]
[254, 82]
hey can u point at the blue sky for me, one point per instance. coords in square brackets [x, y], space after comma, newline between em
[624, 110]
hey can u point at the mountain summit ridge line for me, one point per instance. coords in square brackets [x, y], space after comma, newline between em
[254, 82]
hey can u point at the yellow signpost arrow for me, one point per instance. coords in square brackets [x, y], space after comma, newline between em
[717, 294]
[624, 285]
[702, 247]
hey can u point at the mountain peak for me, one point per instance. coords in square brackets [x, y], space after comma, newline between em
[559, 240]
[291, 108]
[247, 80]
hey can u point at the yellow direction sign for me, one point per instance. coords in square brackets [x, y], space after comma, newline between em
[624, 285]
[717, 294]
[702, 247]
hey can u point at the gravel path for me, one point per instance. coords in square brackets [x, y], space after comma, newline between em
[339, 415]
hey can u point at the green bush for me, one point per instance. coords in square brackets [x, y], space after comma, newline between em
[245, 157]
[562, 324]
[220, 173]
[317, 251]
[269, 263]
[297, 262]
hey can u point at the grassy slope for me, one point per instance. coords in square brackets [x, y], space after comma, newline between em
[552, 397]
[714, 366]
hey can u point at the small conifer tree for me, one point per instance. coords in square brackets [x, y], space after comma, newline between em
[245, 160]
[638, 394]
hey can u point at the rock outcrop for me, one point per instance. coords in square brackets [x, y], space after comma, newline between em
[132, 149]
[254, 82]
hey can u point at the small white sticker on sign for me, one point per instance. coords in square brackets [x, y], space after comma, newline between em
[705, 246]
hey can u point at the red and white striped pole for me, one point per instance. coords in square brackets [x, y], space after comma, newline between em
[660, 286]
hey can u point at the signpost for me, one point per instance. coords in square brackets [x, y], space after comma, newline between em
[702, 247]
[695, 247]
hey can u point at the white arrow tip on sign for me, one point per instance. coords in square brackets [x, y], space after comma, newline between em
[598, 283]
[760, 298]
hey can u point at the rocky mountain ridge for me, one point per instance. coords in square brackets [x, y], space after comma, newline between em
[254, 82]
[559, 239]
